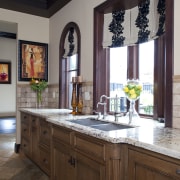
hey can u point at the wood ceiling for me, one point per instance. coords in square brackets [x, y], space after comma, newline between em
[43, 8]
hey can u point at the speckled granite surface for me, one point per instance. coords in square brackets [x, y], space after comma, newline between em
[147, 134]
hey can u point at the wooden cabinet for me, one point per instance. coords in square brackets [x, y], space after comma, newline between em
[65, 154]
[146, 165]
[35, 140]
[44, 146]
[26, 134]
[76, 156]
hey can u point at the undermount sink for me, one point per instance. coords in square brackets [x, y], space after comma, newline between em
[101, 125]
[111, 127]
[88, 122]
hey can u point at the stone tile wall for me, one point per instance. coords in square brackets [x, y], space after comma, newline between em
[176, 101]
[26, 97]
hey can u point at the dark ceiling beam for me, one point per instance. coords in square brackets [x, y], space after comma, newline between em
[57, 6]
[43, 8]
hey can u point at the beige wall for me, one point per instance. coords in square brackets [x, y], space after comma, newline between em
[8, 91]
[80, 12]
[176, 37]
[32, 28]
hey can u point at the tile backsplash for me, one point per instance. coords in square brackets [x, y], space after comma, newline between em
[26, 97]
[176, 101]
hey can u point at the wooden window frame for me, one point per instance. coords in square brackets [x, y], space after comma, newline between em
[101, 63]
[63, 86]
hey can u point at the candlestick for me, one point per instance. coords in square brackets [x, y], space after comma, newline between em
[74, 99]
[79, 79]
[74, 79]
[80, 99]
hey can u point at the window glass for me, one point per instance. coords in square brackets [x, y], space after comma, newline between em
[72, 69]
[146, 76]
[118, 76]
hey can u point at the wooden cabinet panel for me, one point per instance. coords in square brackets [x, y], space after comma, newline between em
[25, 130]
[26, 146]
[25, 118]
[62, 162]
[34, 122]
[35, 144]
[62, 134]
[30, 139]
[45, 133]
[87, 169]
[45, 160]
[44, 145]
[90, 146]
[143, 166]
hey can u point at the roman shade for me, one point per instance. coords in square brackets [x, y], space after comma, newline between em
[70, 45]
[133, 26]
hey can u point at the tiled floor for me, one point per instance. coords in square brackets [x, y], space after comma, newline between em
[16, 166]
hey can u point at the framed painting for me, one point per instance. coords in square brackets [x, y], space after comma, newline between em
[33, 61]
[5, 72]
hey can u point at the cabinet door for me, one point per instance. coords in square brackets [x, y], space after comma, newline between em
[146, 167]
[35, 138]
[45, 133]
[35, 145]
[87, 169]
[45, 160]
[62, 167]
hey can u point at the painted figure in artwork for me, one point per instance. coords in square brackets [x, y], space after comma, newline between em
[32, 60]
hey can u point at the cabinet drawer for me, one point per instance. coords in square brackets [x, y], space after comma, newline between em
[25, 146]
[91, 147]
[25, 130]
[34, 121]
[25, 118]
[44, 160]
[45, 132]
[62, 134]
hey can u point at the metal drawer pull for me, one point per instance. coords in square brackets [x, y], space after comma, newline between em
[72, 161]
[45, 161]
[44, 132]
[178, 171]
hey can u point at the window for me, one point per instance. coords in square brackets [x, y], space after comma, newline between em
[163, 62]
[72, 71]
[118, 76]
[69, 66]
[146, 76]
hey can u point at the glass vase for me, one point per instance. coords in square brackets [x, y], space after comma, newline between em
[39, 99]
[132, 113]
[132, 91]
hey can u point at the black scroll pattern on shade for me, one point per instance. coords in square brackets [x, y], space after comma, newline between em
[116, 28]
[142, 22]
[161, 8]
[71, 41]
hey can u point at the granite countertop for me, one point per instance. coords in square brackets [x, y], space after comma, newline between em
[147, 134]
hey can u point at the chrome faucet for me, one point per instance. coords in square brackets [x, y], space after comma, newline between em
[103, 104]
[116, 113]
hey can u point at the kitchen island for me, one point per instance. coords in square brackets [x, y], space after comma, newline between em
[66, 148]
